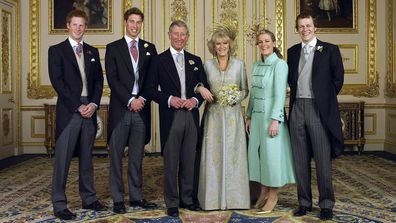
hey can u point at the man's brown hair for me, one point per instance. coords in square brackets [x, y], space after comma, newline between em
[76, 13]
[134, 11]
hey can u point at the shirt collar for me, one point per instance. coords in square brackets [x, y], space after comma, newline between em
[270, 59]
[311, 44]
[129, 39]
[74, 43]
[173, 51]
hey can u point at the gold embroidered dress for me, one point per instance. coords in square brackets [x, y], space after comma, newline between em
[223, 180]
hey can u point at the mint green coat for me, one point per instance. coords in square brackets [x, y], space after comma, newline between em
[269, 158]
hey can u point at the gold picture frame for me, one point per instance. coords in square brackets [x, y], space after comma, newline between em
[350, 57]
[331, 16]
[99, 12]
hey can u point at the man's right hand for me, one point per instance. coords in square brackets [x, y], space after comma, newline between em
[136, 105]
[176, 102]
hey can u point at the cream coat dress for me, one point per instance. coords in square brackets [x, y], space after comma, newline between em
[223, 180]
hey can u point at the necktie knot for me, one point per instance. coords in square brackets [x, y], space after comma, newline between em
[180, 59]
[79, 49]
[134, 51]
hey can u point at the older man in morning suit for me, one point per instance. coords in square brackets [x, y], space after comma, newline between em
[177, 72]
[76, 75]
[316, 76]
[127, 61]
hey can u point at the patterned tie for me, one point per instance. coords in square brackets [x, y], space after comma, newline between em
[134, 51]
[79, 50]
[180, 59]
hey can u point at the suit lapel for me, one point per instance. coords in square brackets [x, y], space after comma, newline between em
[142, 54]
[317, 56]
[189, 65]
[87, 59]
[295, 57]
[170, 67]
[70, 55]
[126, 56]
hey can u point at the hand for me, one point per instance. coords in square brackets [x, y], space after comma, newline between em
[87, 111]
[136, 105]
[274, 128]
[205, 93]
[189, 104]
[247, 126]
[176, 102]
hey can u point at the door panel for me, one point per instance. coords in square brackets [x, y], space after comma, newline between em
[8, 76]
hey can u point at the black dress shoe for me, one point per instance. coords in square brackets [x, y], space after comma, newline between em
[119, 207]
[301, 211]
[326, 214]
[65, 214]
[191, 207]
[96, 206]
[173, 212]
[143, 203]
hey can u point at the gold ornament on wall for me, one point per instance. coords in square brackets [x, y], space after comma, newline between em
[179, 10]
[229, 19]
[390, 89]
[255, 28]
[5, 51]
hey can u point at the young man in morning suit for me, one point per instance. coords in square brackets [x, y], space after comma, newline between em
[316, 76]
[76, 75]
[177, 72]
[127, 61]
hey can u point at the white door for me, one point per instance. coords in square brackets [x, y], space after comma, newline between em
[8, 76]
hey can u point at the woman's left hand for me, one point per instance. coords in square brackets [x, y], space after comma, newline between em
[274, 128]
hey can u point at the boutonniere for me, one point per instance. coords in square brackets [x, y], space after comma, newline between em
[148, 54]
[145, 45]
[319, 48]
[89, 52]
[195, 68]
[191, 62]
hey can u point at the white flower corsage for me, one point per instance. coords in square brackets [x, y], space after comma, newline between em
[145, 45]
[191, 62]
[319, 48]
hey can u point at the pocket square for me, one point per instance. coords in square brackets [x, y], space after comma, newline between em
[148, 53]
[195, 68]
[93, 60]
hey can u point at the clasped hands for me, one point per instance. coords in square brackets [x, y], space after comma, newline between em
[137, 104]
[86, 111]
[179, 103]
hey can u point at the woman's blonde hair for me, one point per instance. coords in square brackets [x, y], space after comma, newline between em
[221, 33]
[272, 35]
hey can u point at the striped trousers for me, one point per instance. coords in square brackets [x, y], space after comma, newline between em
[309, 138]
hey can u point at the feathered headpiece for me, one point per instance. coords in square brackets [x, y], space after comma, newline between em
[230, 30]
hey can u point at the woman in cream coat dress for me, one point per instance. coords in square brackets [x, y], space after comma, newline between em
[269, 151]
[223, 179]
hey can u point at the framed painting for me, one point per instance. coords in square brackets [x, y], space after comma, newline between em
[332, 16]
[99, 13]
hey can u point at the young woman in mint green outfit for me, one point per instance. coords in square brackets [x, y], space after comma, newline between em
[269, 150]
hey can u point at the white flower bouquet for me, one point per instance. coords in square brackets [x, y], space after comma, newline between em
[228, 95]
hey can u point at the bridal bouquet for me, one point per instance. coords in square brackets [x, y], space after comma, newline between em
[228, 95]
